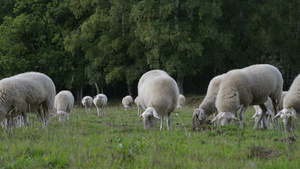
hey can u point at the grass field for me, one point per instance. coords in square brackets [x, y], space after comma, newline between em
[118, 140]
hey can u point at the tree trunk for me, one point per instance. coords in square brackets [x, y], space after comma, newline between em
[78, 95]
[180, 84]
[129, 88]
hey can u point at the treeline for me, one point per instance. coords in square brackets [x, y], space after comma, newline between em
[82, 44]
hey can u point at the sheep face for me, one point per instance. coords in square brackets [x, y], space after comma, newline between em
[199, 118]
[150, 118]
[224, 118]
[288, 116]
[61, 114]
[127, 107]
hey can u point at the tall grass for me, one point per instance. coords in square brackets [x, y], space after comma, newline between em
[118, 140]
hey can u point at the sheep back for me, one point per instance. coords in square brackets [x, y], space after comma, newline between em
[64, 101]
[157, 89]
[292, 98]
[87, 101]
[249, 86]
[30, 90]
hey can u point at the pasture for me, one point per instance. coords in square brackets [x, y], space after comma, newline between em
[118, 140]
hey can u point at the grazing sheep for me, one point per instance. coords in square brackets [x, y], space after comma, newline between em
[181, 101]
[136, 101]
[27, 91]
[64, 102]
[127, 101]
[291, 106]
[158, 96]
[87, 102]
[249, 86]
[100, 102]
[207, 107]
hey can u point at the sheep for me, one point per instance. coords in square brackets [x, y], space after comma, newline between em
[27, 91]
[291, 107]
[136, 101]
[100, 101]
[158, 95]
[87, 102]
[181, 101]
[127, 101]
[64, 102]
[207, 107]
[248, 86]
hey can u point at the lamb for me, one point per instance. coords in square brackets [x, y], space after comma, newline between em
[27, 91]
[87, 102]
[248, 86]
[158, 95]
[64, 102]
[291, 107]
[127, 101]
[136, 101]
[181, 101]
[207, 107]
[100, 101]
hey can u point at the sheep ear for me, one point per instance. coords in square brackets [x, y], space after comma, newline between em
[155, 114]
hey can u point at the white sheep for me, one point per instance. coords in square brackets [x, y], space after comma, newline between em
[87, 102]
[207, 106]
[100, 101]
[127, 101]
[291, 106]
[158, 95]
[248, 86]
[64, 102]
[27, 91]
[136, 101]
[181, 101]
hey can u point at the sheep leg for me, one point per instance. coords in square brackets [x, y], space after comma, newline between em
[25, 118]
[98, 111]
[264, 116]
[242, 115]
[275, 105]
[68, 116]
[162, 123]
[169, 122]
[258, 123]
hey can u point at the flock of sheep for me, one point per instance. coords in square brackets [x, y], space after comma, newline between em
[158, 96]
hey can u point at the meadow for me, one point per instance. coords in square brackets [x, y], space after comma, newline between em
[118, 140]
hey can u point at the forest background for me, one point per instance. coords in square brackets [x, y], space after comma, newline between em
[82, 44]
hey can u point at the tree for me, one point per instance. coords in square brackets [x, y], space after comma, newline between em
[174, 33]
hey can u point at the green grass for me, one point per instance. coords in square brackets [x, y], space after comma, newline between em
[118, 140]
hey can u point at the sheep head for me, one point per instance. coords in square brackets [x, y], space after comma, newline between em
[126, 107]
[224, 118]
[150, 117]
[199, 117]
[288, 116]
[61, 114]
